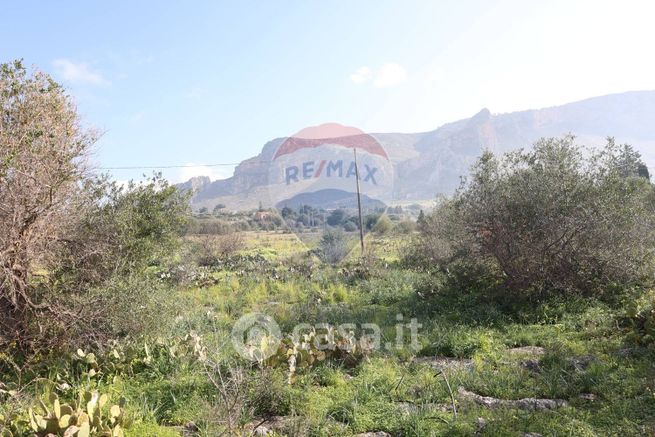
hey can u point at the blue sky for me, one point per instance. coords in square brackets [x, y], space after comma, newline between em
[173, 83]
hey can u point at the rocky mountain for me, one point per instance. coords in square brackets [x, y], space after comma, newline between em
[431, 163]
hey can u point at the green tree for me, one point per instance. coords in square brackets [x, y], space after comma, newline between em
[336, 217]
[557, 217]
[383, 225]
[43, 149]
[420, 221]
[333, 246]
[218, 209]
[287, 213]
[126, 228]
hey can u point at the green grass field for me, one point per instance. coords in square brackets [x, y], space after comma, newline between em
[475, 342]
[572, 351]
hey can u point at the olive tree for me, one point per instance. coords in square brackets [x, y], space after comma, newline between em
[556, 217]
[43, 146]
[67, 236]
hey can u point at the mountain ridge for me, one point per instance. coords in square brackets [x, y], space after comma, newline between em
[430, 163]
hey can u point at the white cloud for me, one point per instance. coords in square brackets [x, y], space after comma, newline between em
[389, 74]
[78, 72]
[361, 75]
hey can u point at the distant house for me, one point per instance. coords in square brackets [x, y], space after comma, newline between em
[261, 216]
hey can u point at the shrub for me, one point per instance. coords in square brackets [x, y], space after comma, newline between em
[370, 220]
[640, 315]
[125, 229]
[554, 218]
[208, 226]
[442, 238]
[383, 225]
[405, 227]
[337, 217]
[213, 248]
[42, 166]
[349, 226]
[333, 246]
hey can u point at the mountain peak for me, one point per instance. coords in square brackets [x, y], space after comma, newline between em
[432, 162]
[483, 115]
[195, 184]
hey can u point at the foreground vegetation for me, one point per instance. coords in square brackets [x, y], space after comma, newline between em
[533, 287]
[581, 350]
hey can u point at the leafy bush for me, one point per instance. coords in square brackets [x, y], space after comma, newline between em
[337, 217]
[383, 225]
[42, 166]
[405, 227]
[68, 233]
[97, 286]
[214, 248]
[554, 218]
[133, 306]
[333, 246]
[211, 226]
[640, 316]
[126, 229]
[349, 226]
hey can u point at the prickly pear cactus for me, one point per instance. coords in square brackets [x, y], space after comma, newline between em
[91, 416]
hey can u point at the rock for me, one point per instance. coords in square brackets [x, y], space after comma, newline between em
[581, 363]
[411, 408]
[445, 363]
[266, 426]
[482, 424]
[190, 429]
[262, 430]
[531, 434]
[531, 365]
[588, 396]
[530, 404]
[625, 352]
[527, 350]
[190, 426]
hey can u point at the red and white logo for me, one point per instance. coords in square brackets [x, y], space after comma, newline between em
[320, 166]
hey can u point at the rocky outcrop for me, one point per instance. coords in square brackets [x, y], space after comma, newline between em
[196, 184]
[531, 404]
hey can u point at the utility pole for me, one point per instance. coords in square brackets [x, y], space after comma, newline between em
[359, 205]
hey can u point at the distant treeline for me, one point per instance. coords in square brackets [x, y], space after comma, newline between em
[305, 218]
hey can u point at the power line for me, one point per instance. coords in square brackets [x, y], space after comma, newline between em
[155, 167]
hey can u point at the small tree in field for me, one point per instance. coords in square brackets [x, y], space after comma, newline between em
[122, 230]
[42, 165]
[63, 233]
[558, 217]
[333, 246]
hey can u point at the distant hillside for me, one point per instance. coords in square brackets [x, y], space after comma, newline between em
[431, 163]
[331, 199]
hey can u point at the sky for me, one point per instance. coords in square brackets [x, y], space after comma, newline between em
[192, 83]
